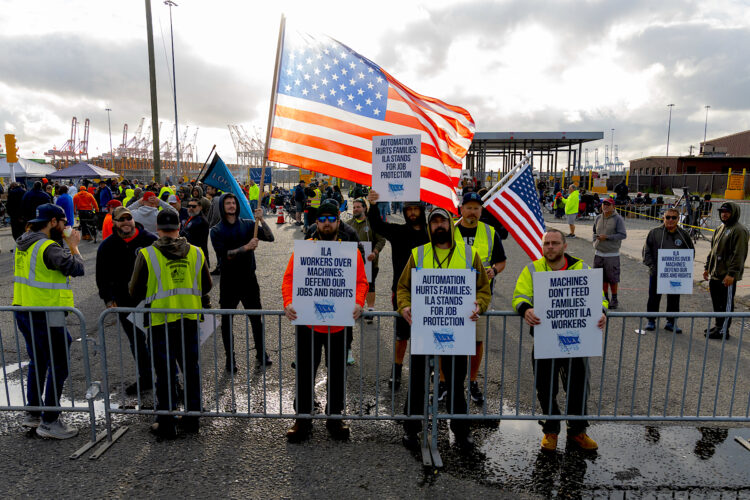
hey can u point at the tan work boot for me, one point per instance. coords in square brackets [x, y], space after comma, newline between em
[549, 442]
[299, 431]
[583, 442]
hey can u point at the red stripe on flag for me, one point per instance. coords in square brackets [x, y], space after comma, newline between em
[520, 210]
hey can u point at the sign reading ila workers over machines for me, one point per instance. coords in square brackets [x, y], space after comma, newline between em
[324, 281]
[442, 301]
[569, 304]
[674, 270]
[396, 163]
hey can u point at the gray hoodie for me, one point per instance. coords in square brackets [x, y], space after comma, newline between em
[146, 215]
[55, 256]
[614, 228]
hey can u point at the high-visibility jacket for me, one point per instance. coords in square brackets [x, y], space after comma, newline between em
[315, 200]
[461, 258]
[483, 242]
[129, 193]
[253, 192]
[35, 284]
[173, 283]
[524, 292]
[571, 203]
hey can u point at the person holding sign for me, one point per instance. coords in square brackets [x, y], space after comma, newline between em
[573, 371]
[311, 339]
[668, 236]
[486, 241]
[442, 252]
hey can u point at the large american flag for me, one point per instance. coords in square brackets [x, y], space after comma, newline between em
[516, 206]
[331, 102]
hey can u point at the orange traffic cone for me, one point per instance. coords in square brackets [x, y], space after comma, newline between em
[280, 218]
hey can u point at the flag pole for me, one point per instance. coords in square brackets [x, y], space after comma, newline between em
[271, 112]
[197, 179]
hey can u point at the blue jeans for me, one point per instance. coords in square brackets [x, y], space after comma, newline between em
[254, 204]
[50, 364]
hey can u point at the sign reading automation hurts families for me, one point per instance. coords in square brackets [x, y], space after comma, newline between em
[442, 301]
[325, 277]
[396, 163]
[569, 304]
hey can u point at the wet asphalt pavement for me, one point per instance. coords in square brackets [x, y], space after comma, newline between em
[237, 457]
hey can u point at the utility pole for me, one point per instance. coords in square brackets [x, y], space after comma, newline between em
[152, 82]
[111, 154]
[669, 126]
[705, 128]
[171, 4]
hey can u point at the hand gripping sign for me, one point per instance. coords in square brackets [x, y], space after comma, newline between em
[396, 164]
[442, 301]
[324, 282]
[569, 304]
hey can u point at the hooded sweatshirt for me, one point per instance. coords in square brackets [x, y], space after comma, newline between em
[55, 256]
[128, 196]
[728, 248]
[403, 238]
[146, 215]
[483, 295]
[226, 237]
[172, 249]
[205, 202]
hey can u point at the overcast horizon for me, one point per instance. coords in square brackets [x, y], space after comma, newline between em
[515, 66]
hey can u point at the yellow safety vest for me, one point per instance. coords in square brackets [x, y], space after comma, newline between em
[35, 284]
[315, 200]
[461, 258]
[173, 283]
[483, 242]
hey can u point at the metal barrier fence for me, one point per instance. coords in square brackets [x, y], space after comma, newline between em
[648, 376]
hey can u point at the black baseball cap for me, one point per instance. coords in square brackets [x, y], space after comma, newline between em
[47, 212]
[471, 196]
[168, 220]
[329, 207]
[725, 207]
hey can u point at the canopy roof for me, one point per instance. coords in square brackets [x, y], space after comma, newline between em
[84, 169]
[25, 168]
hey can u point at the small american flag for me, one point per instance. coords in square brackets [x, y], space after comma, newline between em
[331, 102]
[516, 206]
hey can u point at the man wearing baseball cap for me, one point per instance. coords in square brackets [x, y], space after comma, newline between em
[146, 209]
[609, 231]
[42, 278]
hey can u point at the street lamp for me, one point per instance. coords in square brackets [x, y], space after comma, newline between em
[111, 154]
[705, 128]
[612, 151]
[669, 126]
[171, 4]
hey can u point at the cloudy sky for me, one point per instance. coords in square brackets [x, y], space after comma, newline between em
[527, 65]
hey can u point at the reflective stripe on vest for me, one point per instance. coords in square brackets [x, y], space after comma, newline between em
[315, 200]
[479, 243]
[160, 292]
[34, 284]
[420, 256]
[31, 280]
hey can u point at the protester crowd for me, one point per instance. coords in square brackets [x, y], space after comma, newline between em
[158, 235]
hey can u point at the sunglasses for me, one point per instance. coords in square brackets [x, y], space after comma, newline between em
[124, 218]
[670, 217]
[329, 218]
[192, 206]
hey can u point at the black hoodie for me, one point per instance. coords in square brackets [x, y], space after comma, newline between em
[226, 237]
[115, 261]
[403, 238]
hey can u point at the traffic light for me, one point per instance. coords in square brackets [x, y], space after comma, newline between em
[11, 150]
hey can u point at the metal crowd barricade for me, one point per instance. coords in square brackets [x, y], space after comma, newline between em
[78, 393]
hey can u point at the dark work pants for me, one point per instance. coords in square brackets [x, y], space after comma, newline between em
[719, 295]
[248, 292]
[309, 348]
[573, 371]
[168, 343]
[403, 329]
[48, 361]
[415, 401]
[654, 299]
[139, 349]
[454, 369]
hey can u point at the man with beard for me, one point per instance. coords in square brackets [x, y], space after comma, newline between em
[442, 252]
[403, 238]
[195, 229]
[235, 246]
[43, 269]
[115, 260]
[311, 339]
[361, 225]
[573, 371]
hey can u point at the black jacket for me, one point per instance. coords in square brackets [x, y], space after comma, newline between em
[31, 200]
[114, 265]
[195, 231]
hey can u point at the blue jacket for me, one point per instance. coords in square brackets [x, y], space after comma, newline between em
[105, 196]
[65, 201]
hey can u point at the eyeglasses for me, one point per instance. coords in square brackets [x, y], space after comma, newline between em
[329, 218]
[124, 218]
[670, 217]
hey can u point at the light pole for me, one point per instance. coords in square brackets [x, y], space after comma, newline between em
[111, 154]
[612, 152]
[669, 125]
[705, 128]
[171, 4]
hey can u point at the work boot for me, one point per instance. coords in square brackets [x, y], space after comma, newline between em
[717, 335]
[583, 442]
[395, 380]
[231, 366]
[411, 441]
[549, 442]
[337, 429]
[464, 441]
[300, 431]
[268, 360]
[164, 429]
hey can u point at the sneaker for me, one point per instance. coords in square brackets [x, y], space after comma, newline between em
[268, 361]
[650, 326]
[56, 430]
[671, 327]
[583, 442]
[395, 380]
[349, 357]
[476, 394]
[614, 304]
[164, 430]
[549, 442]
[411, 441]
[31, 421]
[570, 235]
[465, 442]
[230, 366]
[716, 335]
[442, 390]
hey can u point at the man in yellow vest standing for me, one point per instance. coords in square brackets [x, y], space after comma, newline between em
[482, 238]
[571, 209]
[42, 278]
[253, 194]
[441, 252]
[172, 274]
